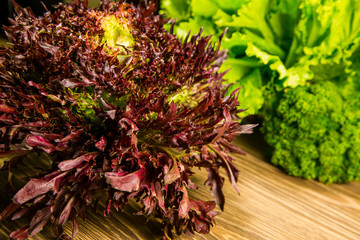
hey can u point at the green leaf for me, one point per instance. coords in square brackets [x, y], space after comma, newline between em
[251, 16]
[194, 25]
[206, 8]
[178, 9]
[272, 60]
[237, 68]
[231, 5]
[221, 18]
[116, 33]
[251, 95]
[292, 42]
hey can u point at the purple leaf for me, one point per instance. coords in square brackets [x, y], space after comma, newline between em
[158, 105]
[72, 136]
[159, 196]
[232, 172]
[200, 225]
[101, 144]
[111, 114]
[72, 163]
[204, 104]
[10, 209]
[230, 168]
[227, 118]
[20, 234]
[149, 204]
[246, 129]
[20, 213]
[75, 227]
[6, 109]
[39, 220]
[68, 83]
[106, 104]
[202, 207]
[170, 114]
[179, 140]
[129, 126]
[126, 182]
[37, 124]
[49, 48]
[216, 183]
[172, 175]
[66, 211]
[39, 198]
[18, 9]
[36, 187]
[40, 142]
[184, 204]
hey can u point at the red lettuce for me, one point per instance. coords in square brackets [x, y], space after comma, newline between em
[122, 108]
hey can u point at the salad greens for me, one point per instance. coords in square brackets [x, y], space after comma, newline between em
[100, 92]
[282, 43]
[297, 62]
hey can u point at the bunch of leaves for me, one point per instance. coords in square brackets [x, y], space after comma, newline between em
[121, 108]
[285, 43]
[314, 131]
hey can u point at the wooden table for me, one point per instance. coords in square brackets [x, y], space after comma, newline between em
[271, 205]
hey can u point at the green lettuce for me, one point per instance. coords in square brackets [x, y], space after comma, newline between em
[276, 44]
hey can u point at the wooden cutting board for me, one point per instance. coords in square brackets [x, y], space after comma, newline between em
[272, 205]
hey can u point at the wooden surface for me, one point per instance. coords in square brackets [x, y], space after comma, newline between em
[271, 205]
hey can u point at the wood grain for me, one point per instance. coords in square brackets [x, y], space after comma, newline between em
[272, 205]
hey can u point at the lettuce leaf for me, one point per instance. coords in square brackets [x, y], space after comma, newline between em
[285, 43]
[176, 9]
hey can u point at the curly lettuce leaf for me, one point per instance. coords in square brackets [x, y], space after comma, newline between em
[194, 25]
[178, 9]
[205, 8]
[251, 92]
[293, 41]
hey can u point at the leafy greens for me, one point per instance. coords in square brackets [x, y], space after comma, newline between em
[101, 93]
[282, 43]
